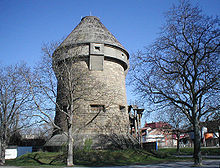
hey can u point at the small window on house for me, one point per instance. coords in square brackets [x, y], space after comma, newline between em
[123, 56]
[97, 48]
[97, 108]
[122, 109]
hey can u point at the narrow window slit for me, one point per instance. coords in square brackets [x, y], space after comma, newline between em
[97, 48]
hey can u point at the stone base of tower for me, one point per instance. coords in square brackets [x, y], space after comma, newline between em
[105, 141]
[93, 141]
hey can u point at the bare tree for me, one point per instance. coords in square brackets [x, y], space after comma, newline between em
[78, 86]
[181, 68]
[40, 130]
[15, 106]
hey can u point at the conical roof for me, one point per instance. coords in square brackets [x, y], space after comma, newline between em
[91, 30]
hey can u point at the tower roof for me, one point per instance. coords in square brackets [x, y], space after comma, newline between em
[91, 30]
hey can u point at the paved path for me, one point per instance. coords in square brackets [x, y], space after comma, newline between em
[203, 156]
[206, 163]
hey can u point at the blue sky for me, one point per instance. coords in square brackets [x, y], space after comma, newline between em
[26, 24]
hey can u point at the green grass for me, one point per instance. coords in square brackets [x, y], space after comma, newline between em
[105, 157]
[44, 157]
[114, 157]
[91, 158]
[189, 151]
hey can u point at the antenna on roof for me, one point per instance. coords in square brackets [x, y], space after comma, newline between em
[90, 13]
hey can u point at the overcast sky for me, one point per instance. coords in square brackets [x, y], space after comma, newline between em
[26, 24]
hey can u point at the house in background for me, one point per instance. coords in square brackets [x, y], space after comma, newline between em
[164, 135]
[159, 132]
[211, 134]
[20, 145]
[160, 124]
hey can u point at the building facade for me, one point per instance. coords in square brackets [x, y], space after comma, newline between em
[91, 67]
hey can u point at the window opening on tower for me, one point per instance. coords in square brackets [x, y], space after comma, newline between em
[122, 109]
[97, 108]
[97, 48]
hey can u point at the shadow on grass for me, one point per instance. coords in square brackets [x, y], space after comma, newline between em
[43, 159]
[114, 157]
[91, 158]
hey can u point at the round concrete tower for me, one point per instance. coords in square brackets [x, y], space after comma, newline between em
[99, 64]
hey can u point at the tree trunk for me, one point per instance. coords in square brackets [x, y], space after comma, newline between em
[178, 142]
[70, 143]
[3, 144]
[219, 135]
[197, 144]
[2, 152]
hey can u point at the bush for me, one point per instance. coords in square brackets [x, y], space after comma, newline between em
[88, 145]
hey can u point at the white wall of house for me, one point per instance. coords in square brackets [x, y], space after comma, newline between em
[11, 153]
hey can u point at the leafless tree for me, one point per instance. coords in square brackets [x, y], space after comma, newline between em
[72, 75]
[15, 104]
[40, 130]
[181, 68]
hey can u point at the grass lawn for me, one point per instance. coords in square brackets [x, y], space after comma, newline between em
[189, 151]
[36, 159]
[91, 158]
